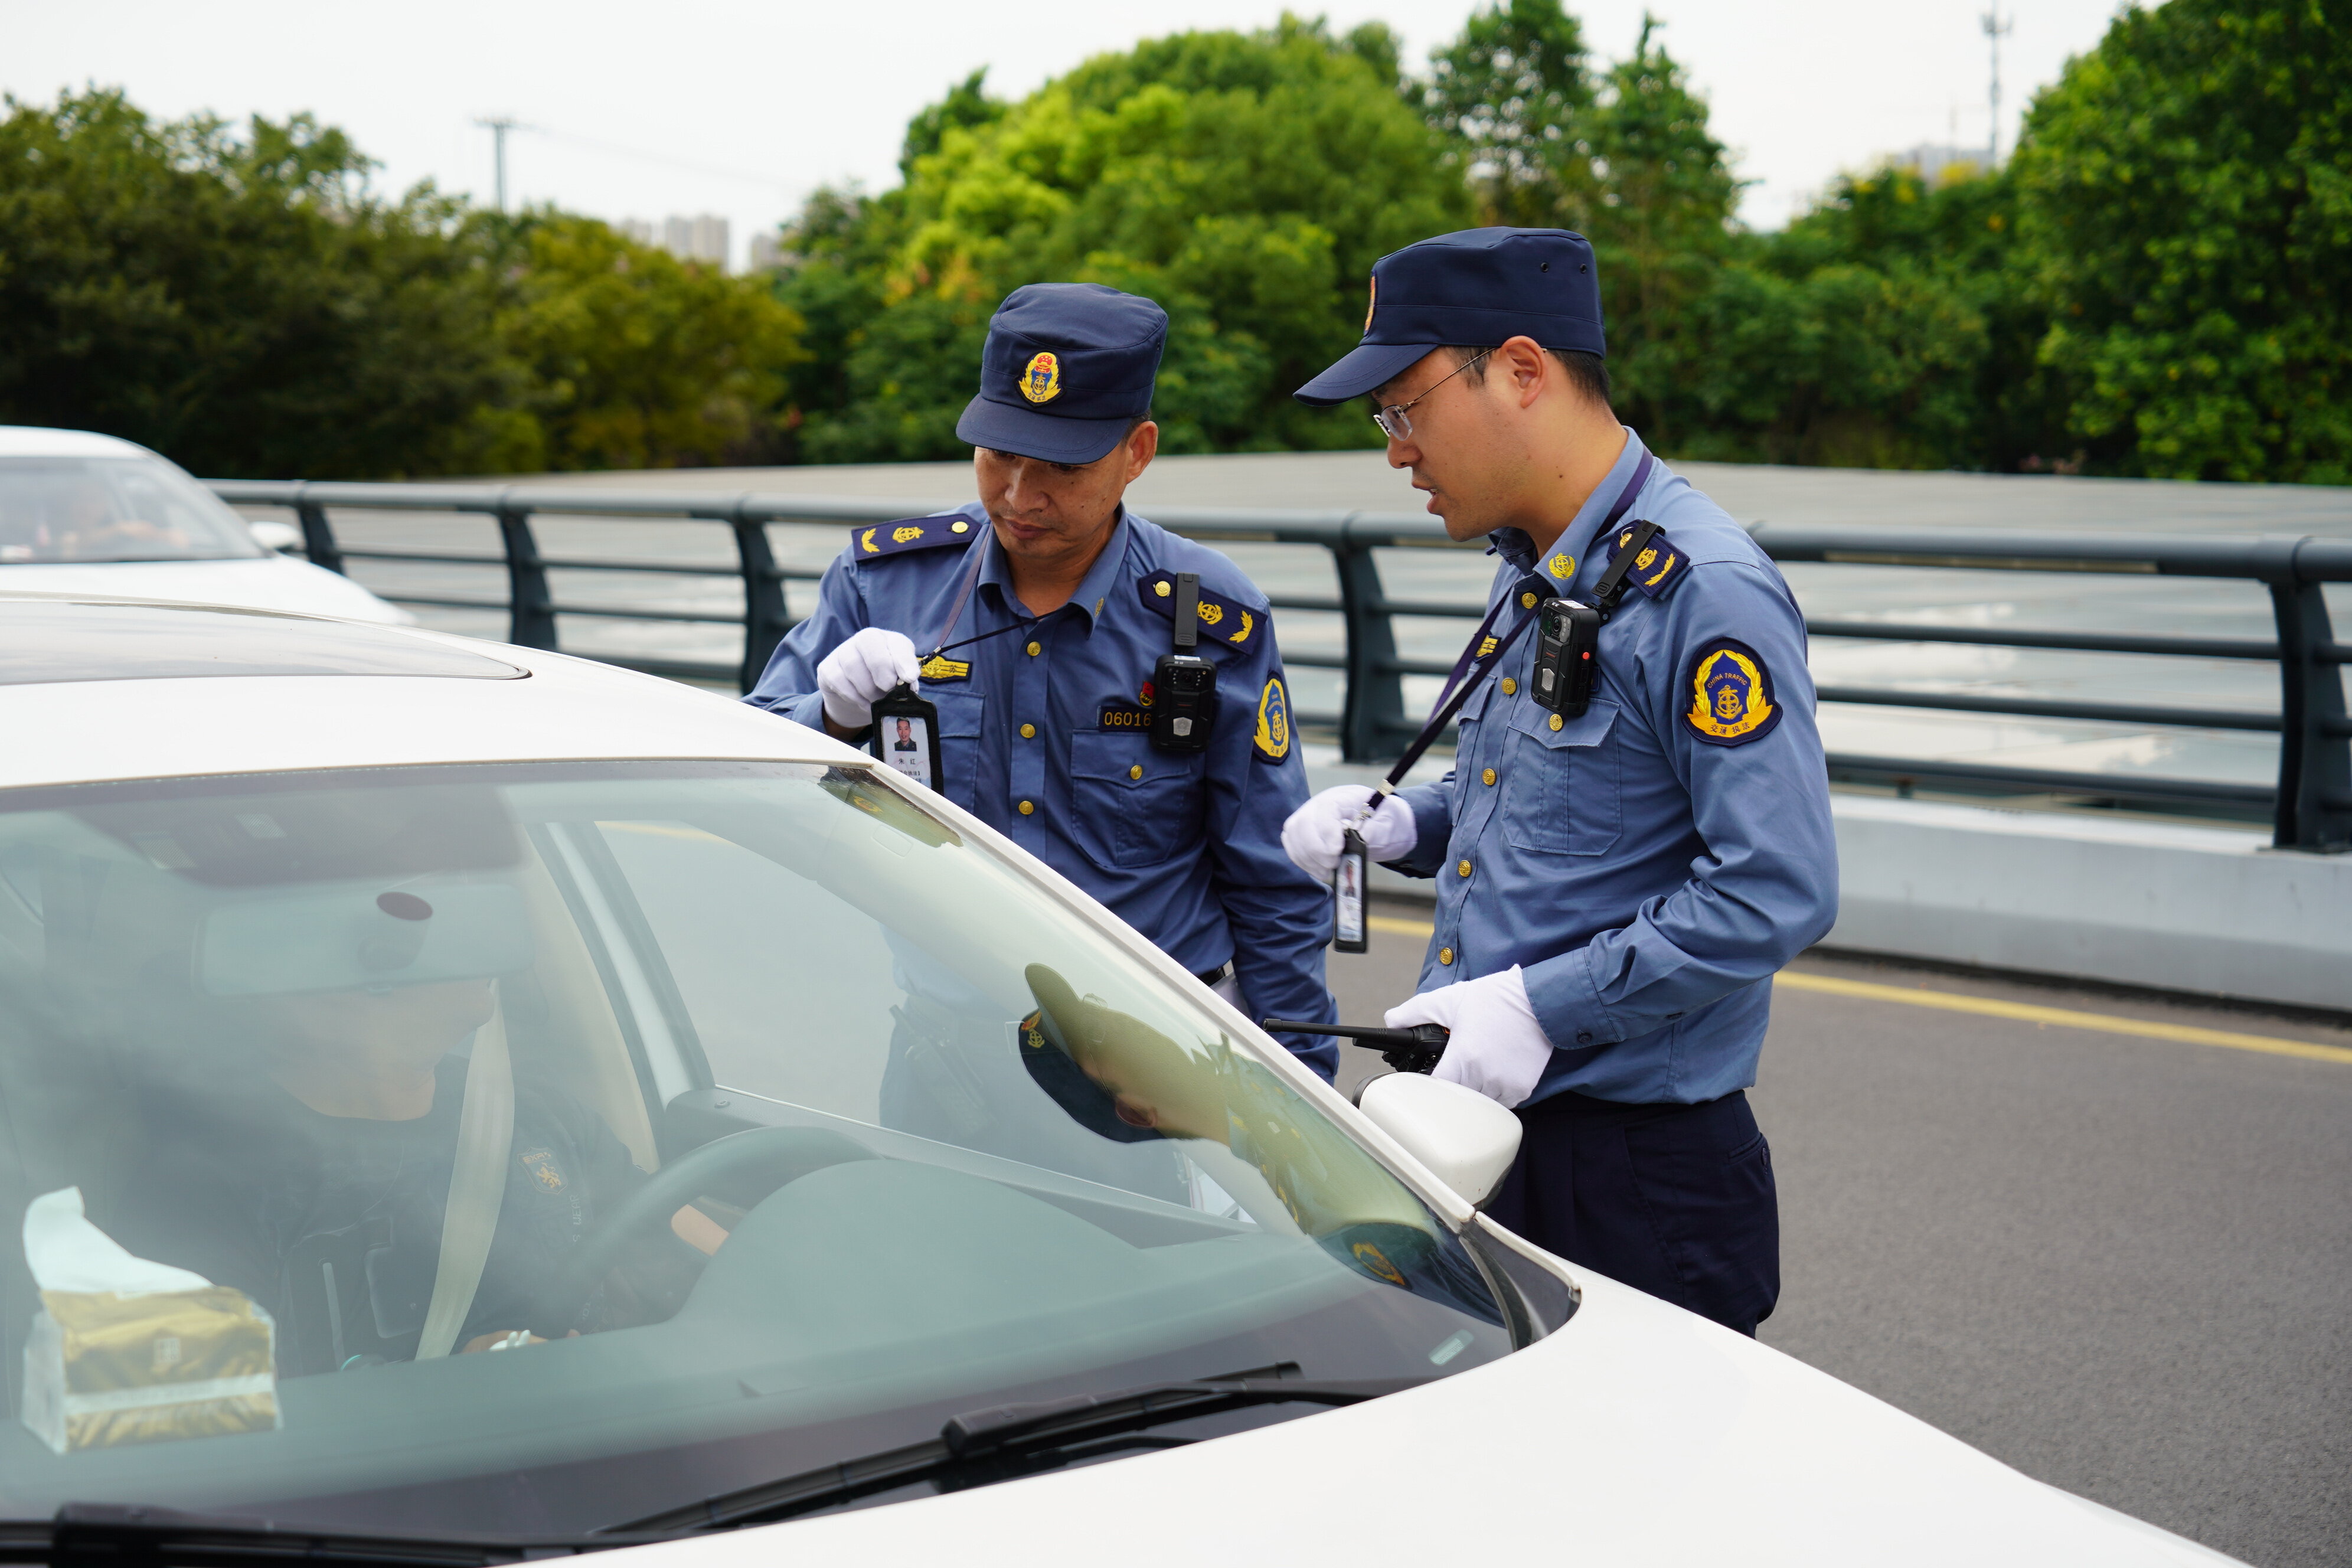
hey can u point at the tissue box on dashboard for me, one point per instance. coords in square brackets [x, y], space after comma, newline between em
[102, 1369]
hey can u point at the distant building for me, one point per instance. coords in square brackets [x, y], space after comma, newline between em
[1934, 164]
[703, 239]
[767, 251]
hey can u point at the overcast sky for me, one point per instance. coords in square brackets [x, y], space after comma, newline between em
[739, 108]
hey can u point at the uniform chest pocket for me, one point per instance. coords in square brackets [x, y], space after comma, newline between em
[959, 717]
[1135, 805]
[1560, 794]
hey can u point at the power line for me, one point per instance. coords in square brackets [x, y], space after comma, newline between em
[617, 150]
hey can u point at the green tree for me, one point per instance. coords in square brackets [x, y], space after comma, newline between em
[1514, 95]
[2186, 198]
[1657, 202]
[247, 305]
[1246, 182]
[637, 359]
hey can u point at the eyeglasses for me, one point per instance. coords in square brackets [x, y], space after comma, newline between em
[1395, 421]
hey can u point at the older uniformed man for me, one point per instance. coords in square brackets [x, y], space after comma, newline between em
[1054, 603]
[1615, 887]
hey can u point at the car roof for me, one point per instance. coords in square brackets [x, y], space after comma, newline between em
[49, 640]
[82, 729]
[39, 441]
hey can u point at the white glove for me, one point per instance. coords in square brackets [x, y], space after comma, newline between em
[1497, 1048]
[863, 669]
[1312, 836]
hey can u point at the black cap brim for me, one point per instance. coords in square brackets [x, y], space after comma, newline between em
[1027, 433]
[1366, 366]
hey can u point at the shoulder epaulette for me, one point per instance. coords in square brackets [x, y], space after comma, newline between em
[1221, 618]
[1657, 569]
[911, 534]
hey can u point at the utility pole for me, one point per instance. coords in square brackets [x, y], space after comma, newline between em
[1995, 29]
[498, 126]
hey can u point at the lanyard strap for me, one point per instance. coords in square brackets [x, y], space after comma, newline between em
[971, 576]
[1457, 689]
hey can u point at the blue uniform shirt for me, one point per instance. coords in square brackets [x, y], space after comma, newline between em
[1043, 736]
[1650, 864]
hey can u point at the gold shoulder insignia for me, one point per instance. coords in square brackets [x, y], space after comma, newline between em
[1731, 700]
[1658, 567]
[940, 666]
[1221, 618]
[914, 534]
[1562, 566]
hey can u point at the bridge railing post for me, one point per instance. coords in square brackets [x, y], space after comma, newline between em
[1374, 711]
[2315, 787]
[319, 544]
[766, 618]
[531, 603]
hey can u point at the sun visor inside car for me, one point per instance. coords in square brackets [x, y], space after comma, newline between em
[355, 935]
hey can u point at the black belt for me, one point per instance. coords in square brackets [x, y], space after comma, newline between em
[1211, 977]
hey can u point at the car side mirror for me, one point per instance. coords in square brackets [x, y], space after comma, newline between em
[1466, 1140]
[272, 534]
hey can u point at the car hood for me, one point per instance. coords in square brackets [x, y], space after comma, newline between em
[1636, 1434]
[266, 582]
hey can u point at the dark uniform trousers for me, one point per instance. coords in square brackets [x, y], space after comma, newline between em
[1677, 1200]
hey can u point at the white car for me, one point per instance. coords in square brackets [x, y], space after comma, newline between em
[353, 977]
[85, 513]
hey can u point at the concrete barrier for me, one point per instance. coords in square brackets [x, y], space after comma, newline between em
[2208, 910]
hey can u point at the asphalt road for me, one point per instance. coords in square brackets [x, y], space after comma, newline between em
[2121, 1264]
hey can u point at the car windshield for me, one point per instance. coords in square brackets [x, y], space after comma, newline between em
[112, 509]
[536, 1148]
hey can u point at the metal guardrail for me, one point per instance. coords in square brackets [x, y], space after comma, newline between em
[2310, 808]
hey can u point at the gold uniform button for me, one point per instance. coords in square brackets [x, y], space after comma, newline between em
[1035, 650]
[1461, 868]
[959, 527]
[1488, 778]
[1136, 772]
[1028, 731]
[1554, 720]
[1510, 686]
[1028, 807]
[1446, 955]
[1527, 601]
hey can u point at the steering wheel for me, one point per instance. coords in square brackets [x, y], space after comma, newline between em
[752, 1163]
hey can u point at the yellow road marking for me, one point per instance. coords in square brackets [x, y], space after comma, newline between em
[1991, 1007]
[2063, 1018]
[1402, 928]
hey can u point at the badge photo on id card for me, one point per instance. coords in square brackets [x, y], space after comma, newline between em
[906, 736]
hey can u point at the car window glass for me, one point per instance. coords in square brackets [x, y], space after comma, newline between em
[787, 1122]
[112, 509]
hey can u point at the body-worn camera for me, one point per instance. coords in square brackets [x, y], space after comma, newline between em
[1183, 684]
[1567, 639]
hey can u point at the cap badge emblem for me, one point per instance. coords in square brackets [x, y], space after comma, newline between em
[1042, 381]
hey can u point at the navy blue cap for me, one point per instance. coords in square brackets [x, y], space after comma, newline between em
[1481, 285]
[1067, 368]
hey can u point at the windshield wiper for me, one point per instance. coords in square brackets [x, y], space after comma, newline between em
[1004, 1442]
[116, 1535]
